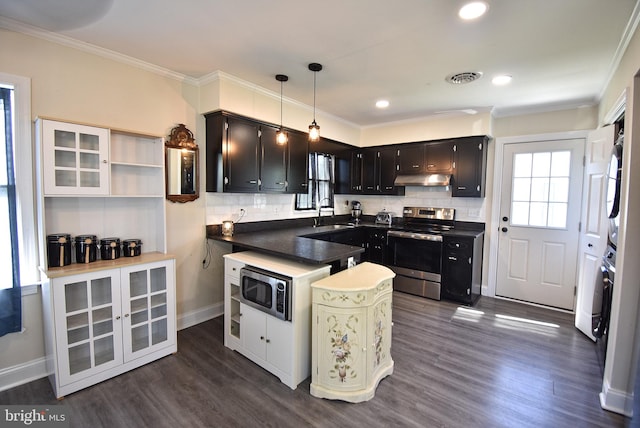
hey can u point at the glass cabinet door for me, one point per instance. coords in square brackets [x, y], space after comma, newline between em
[148, 308]
[91, 332]
[75, 159]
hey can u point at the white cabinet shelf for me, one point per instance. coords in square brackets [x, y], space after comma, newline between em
[125, 196]
[90, 331]
[281, 347]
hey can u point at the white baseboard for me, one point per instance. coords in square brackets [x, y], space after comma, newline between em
[201, 315]
[23, 373]
[615, 400]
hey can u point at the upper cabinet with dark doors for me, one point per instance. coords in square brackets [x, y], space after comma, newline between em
[373, 171]
[411, 158]
[469, 167]
[429, 157]
[243, 157]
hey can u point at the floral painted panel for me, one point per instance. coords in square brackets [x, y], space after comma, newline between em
[381, 333]
[341, 337]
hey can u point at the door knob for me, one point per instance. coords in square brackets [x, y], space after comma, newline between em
[504, 229]
[505, 218]
[590, 245]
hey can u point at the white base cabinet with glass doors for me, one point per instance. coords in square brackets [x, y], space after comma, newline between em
[106, 318]
[281, 347]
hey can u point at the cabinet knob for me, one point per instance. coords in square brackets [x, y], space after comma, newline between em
[126, 315]
[261, 337]
[268, 341]
[104, 161]
[118, 317]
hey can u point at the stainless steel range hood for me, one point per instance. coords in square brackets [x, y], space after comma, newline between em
[429, 180]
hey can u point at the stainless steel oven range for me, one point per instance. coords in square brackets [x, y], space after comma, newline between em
[415, 253]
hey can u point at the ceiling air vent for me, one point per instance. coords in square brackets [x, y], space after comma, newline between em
[466, 77]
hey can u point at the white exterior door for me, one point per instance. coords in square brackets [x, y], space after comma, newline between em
[539, 220]
[593, 236]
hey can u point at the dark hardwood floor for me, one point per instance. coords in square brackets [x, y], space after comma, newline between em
[499, 364]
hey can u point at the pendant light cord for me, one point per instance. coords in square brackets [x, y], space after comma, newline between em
[314, 95]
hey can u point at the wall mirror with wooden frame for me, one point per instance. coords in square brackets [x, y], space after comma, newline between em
[181, 166]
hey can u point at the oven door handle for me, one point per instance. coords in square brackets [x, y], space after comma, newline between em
[413, 235]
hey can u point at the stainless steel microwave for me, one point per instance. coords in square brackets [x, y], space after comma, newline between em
[266, 291]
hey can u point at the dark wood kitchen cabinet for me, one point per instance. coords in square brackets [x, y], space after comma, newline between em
[298, 163]
[462, 268]
[431, 157]
[373, 171]
[439, 157]
[376, 246]
[243, 157]
[410, 158]
[356, 171]
[469, 167]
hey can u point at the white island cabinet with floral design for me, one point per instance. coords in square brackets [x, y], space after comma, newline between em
[351, 333]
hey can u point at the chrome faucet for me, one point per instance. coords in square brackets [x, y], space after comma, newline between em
[316, 221]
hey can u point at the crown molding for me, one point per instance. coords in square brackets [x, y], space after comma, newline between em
[219, 75]
[627, 35]
[19, 27]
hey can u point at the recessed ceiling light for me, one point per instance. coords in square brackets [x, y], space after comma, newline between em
[382, 103]
[503, 79]
[473, 10]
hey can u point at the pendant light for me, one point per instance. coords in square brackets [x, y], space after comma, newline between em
[281, 136]
[314, 129]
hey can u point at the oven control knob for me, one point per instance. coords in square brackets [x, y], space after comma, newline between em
[504, 229]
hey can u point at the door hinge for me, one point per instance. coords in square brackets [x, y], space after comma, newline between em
[575, 290]
[579, 226]
[584, 160]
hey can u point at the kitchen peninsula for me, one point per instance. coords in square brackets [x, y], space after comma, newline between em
[291, 239]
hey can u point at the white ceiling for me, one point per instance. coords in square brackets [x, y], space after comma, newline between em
[559, 52]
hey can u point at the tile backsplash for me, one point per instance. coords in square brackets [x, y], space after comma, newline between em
[262, 206]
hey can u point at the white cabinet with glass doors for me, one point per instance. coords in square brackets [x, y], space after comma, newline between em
[98, 181]
[76, 157]
[101, 320]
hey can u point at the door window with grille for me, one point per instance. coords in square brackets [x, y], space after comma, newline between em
[540, 195]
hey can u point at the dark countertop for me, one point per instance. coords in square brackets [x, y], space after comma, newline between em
[294, 239]
[292, 243]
